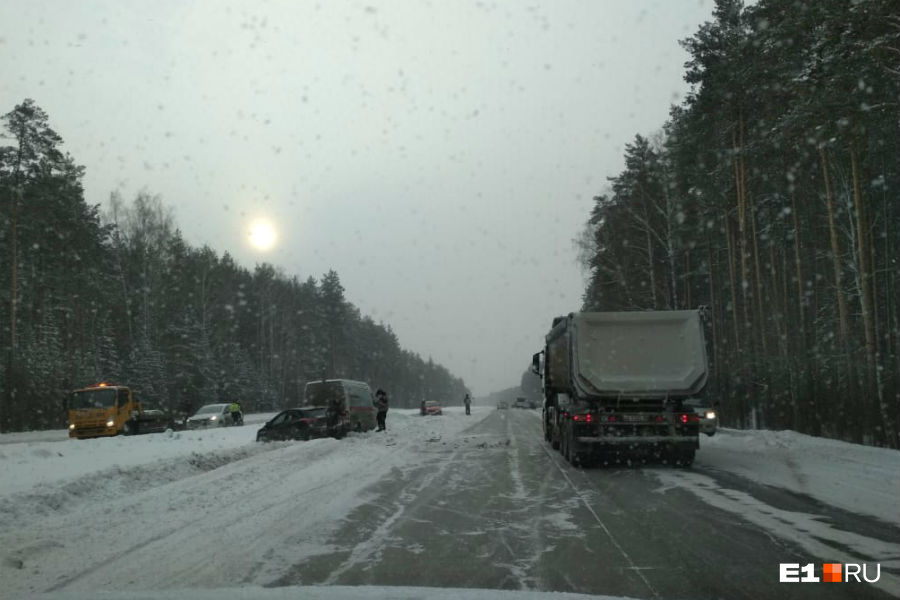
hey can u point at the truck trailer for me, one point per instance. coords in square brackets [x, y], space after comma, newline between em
[615, 383]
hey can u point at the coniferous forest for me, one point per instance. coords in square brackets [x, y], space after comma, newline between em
[89, 296]
[772, 197]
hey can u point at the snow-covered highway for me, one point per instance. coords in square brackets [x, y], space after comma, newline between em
[476, 502]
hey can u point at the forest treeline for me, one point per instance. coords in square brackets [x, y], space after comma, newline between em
[772, 197]
[120, 296]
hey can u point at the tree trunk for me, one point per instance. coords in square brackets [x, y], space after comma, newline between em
[843, 329]
[739, 178]
[687, 280]
[713, 304]
[758, 292]
[652, 271]
[864, 269]
[778, 317]
[733, 287]
[13, 251]
[798, 267]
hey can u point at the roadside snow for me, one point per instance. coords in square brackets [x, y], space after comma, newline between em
[184, 504]
[26, 465]
[859, 479]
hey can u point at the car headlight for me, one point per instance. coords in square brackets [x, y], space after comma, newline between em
[110, 423]
[710, 414]
[213, 418]
[71, 426]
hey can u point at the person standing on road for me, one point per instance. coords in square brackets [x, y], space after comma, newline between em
[381, 405]
[237, 417]
[468, 402]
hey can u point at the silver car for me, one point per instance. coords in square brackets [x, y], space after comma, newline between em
[211, 415]
[709, 417]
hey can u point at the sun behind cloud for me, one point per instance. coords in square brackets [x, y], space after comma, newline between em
[262, 235]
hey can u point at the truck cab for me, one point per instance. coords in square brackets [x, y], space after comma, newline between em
[105, 409]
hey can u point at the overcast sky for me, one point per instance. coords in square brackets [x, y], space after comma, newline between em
[440, 156]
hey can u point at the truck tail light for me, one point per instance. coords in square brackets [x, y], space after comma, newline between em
[582, 418]
[690, 418]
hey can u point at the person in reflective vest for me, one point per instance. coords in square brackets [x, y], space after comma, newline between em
[237, 417]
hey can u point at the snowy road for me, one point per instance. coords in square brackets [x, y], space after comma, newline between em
[451, 502]
[498, 509]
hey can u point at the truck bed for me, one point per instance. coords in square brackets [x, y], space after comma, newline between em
[640, 354]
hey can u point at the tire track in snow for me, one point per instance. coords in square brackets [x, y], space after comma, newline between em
[166, 542]
[376, 542]
[578, 493]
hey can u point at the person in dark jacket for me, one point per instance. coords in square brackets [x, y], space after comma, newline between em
[468, 402]
[381, 405]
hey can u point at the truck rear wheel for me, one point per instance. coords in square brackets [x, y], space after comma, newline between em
[569, 452]
[573, 457]
[686, 458]
[680, 457]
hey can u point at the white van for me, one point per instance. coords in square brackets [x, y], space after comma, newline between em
[355, 398]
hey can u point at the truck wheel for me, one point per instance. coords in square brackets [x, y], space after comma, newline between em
[686, 458]
[127, 428]
[572, 456]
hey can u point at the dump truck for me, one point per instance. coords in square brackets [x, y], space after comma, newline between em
[616, 383]
[106, 409]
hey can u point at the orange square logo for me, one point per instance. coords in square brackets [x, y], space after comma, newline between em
[831, 572]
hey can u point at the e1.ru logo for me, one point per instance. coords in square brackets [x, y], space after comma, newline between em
[831, 573]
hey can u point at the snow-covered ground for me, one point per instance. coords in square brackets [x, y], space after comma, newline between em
[96, 500]
[855, 478]
[216, 496]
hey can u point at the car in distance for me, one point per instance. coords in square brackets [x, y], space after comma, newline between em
[503, 404]
[303, 423]
[211, 415]
[432, 407]
[709, 418]
[521, 403]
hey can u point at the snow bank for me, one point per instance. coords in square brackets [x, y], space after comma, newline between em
[24, 465]
[859, 479]
[124, 499]
[45, 472]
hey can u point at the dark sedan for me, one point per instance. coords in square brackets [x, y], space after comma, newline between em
[297, 424]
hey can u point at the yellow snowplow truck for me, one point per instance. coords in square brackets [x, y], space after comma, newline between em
[106, 409]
